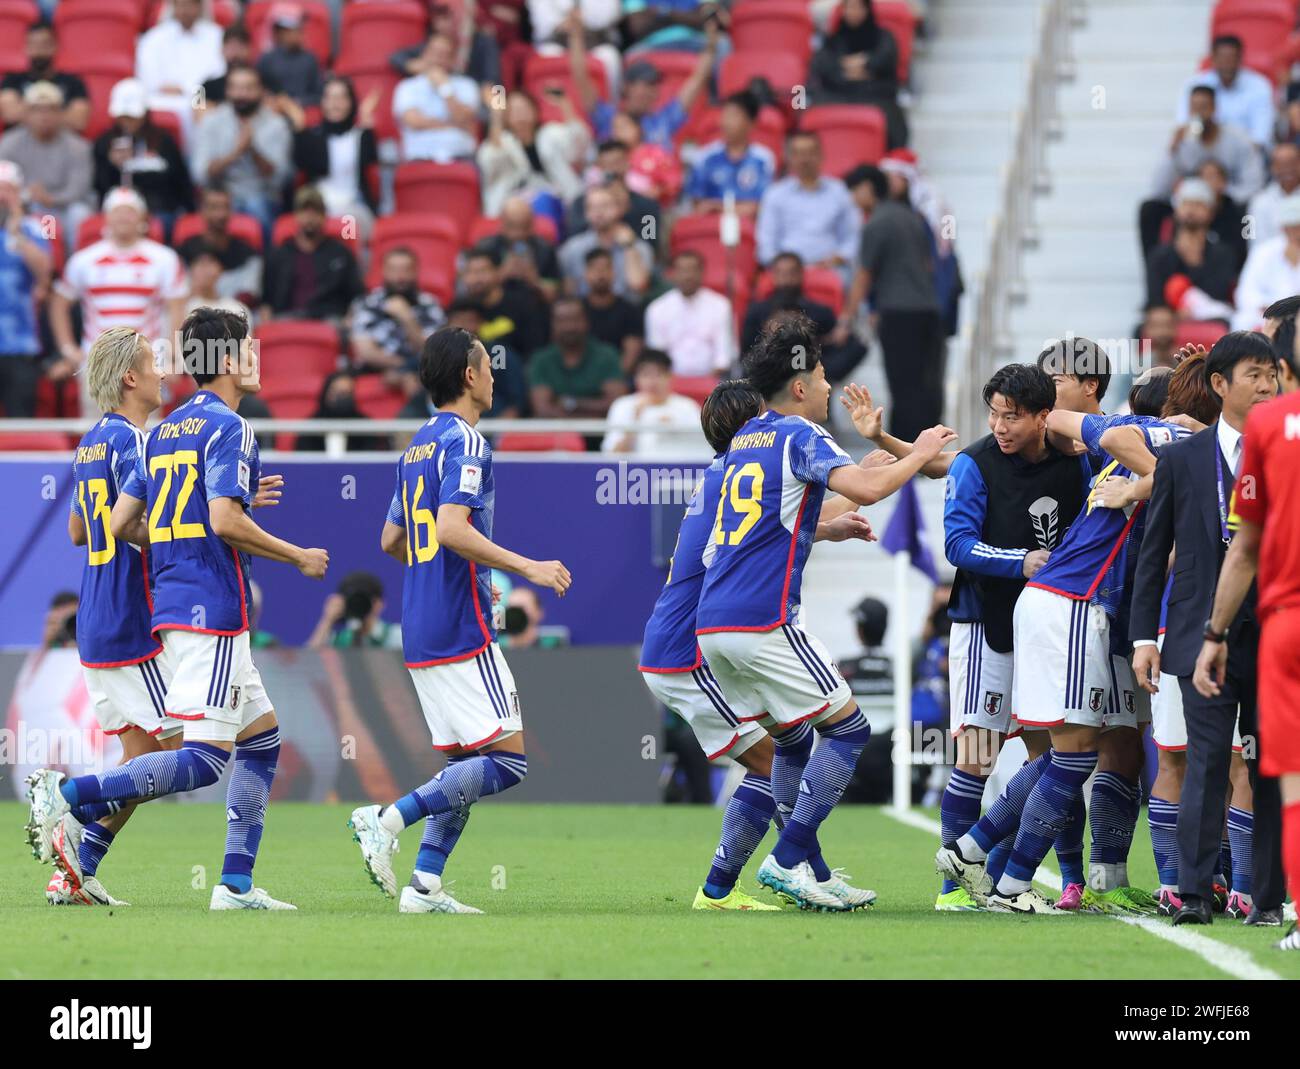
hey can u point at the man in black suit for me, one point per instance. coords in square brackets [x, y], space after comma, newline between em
[1189, 508]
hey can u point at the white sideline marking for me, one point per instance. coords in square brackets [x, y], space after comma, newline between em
[1231, 960]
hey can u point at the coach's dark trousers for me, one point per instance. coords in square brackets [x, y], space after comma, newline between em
[914, 348]
[1209, 750]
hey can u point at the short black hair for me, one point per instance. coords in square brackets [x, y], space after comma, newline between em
[1203, 89]
[788, 255]
[483, 251]
[1026, 386]
[466, 304]
[611, 144]
[797, 133]
[688, 254]
[41, 25]
[1286, 308]
[236, 32]
[872, 617]
[402, 250]
[235, 68]
[443, 361]
[787, 346]
[867, 172]
[745, 101]
[598, 253]
[1080, 358]
[200, 249]
[1227, 39]
[202, 331]
[657, 357]
[732, 404]
[1237, 347]
[1150, 392]
[1284, 344]
[216, 186]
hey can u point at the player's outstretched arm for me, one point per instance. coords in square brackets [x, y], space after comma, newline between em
[1128, 445]
[457, 534]
[867, 486]
[127, 521]
[233, 526]
[869, 420]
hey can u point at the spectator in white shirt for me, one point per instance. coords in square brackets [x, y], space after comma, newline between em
[177, 56]
[1242, 97]
[1272, 269]
[1261, 214]
[690, 323]
[651, 410]
[438, 109]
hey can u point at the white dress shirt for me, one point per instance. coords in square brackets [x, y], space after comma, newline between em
[1230, 443]
[171, 55]
[1248, 103]
[696, 331]
[676, 412]
[1267, 277]
[1262, 210]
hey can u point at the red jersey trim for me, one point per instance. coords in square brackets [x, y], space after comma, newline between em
[482, 626]
[1040, 723]
[117, 731]
[197, 630]
[122, 664]
[718, 753]
[699, 660]
[1101, 572]
[239, 575]
[449, 660]
[470, 745]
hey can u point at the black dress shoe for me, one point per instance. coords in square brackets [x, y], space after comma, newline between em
[1194, 911]
[1265, 918]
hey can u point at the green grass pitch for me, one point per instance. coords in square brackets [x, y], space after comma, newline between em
[569, 891]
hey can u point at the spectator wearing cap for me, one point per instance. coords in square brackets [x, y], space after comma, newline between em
[175, 57]
[691, 323]
[478, 55]
[311, 275]
[858, 64]
[614, 320]
[205, 272]
[1201, 138]
[633, 258]
[808, 212]
[1262, 209]
[1272, 269]
[136, 152]
[1192, 272]
[659, 125]
[870, 674]
[55, 162]
[896, 268]
[735, 165]
[515, 314]
[391, 322]
[41, 45]
[246, 146]
[523, 156]
[614, 164]
[236, 49]
[288, 68]
[575, 375]
[241, 264]
[24, 273]
[437, 109]
[337, 153]
[1242, 98]
[640, 419]
[526, 256]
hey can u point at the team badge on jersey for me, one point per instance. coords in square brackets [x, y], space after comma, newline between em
[471, 479]
[992, 702]
[1128, 701]
[234, 696]
[1097, 699]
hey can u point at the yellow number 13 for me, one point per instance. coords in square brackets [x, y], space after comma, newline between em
[749, 506]
[98, 490]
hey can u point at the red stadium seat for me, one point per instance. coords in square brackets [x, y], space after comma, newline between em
[850, 134]
[376, 399]
[105, 29]
[820, 284]
[15, 17]
[543, 226]
[225, 13]
[537, 442]
[286, 226]
[434, 239]
[291, 400]
[317, 30]
[700, 233]
[368, 77]
[781, 69]
[35, 442]
[541, 72]
[244, 227]
[58, 400]
[759, 27]
[171, 122]
[297, 352]
[1192, 332]
[696, 387]
[92, 229]
[379, 29]
[449, 189]
[100, 75]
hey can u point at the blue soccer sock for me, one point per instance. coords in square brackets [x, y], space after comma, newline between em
[793, 748]
[821, 870]
[744, 823]
[995, 864]
[1003, 817]
[247, 793]
[959, 809]
[460, 784]
[1162, 817]
[1046, 812]
[1069, 845]
[95, 841]
[1112, 832]
[86, 815]
[151, 775]
[1241, 833]
[824, 780]
[441, 834]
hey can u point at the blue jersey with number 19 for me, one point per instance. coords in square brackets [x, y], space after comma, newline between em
[773, 482]
[113, 617]
[446, 599]
[202, 451]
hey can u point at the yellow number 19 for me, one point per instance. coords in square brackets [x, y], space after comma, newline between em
[749, 506]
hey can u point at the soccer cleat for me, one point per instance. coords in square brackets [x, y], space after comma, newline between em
[1168, 903]
[48, 807]
[65, 845]
[1027, 901]
[1219, 897]
[433, 901]
[957, 900]
[59, 893]
[798, 885]
[378, 845]
[1291, 941]
[1128, 900]
[737, 900]
[1238, 907]
[93, 890]
[972, 875]
[1073, 899]
[852, 897]
[224, 898]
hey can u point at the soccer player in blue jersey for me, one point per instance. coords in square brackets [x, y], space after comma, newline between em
[189, 500]
[126, 669]
[1069, 677]
[776, 472]
[439, 526]
[678, 676]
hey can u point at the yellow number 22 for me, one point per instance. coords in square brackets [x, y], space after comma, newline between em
[182, 465]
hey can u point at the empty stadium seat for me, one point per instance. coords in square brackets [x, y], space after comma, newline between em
[543, 225]
[449, 189]
[376, 399]
[433, 238]
[15, 17]
[539, 442]
[700, 233]
[290, 400]
[92, 229]
[543, 71]
[379, 29]
[297, 352]
[317, 31]
[1192, 332]
[696, 387]
[820, 284]
[286, 226]
[104, 29]
[34, 442]
[850, 134]
[244, 227]
[760, 27]
[781, 69]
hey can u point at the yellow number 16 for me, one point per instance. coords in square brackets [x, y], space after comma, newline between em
[749, 506]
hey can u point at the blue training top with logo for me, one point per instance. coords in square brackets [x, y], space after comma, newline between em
[774, 481]
[1092, 562]
[669, 644]
[113, 616]
[202, 451]
[446, 599]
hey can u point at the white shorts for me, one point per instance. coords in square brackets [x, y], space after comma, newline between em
[1065, 673]
[469, 703]
[786, 673]
[215, 688]
[979, 682]
[133, 695]
[1168, 728]
[697, 697]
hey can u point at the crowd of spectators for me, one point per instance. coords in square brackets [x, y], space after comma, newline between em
[615, 195]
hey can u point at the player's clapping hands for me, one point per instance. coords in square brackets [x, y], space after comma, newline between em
[867, 418]
[269, 491]
[849, 526]
[931, 442]
[313, 563]
[549, 573]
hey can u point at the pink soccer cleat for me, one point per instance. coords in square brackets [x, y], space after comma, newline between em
[1167, 903]
[1071, 898]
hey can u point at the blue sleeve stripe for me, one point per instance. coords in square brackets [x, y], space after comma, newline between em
[981, 549]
